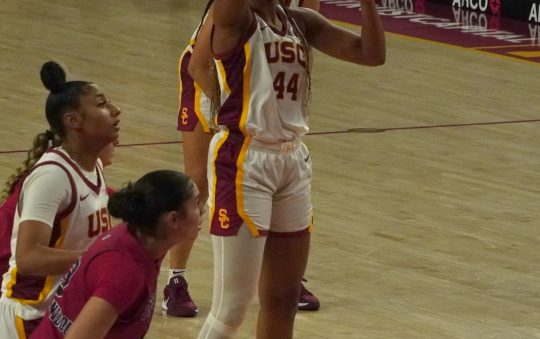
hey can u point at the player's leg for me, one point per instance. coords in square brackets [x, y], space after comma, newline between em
[287, 247]
[284, 263]
[240, 221]
[237, 266]
[177, 300]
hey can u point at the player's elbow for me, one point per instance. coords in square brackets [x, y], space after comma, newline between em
[25, 264]
[198, 74]
[376, 58]
[370, 54]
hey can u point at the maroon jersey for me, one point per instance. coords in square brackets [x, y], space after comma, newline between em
[117, 269]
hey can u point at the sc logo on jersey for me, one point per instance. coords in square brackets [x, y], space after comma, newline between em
[224, 218]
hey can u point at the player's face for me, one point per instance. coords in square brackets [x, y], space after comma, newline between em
[101, 117]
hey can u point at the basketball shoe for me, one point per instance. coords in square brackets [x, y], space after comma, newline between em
[176, 299]
[307, 301]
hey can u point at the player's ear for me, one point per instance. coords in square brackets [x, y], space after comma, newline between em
[73, 120]
[175, 218]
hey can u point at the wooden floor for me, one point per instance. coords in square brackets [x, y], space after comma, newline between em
[421, 233]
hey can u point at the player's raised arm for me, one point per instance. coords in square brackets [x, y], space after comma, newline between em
[231, 19]
[367, 48]
[200, 65]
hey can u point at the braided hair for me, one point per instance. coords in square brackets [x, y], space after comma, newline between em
[303, 42]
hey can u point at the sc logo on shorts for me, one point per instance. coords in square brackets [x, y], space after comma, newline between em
[223, 218]
[184, 116]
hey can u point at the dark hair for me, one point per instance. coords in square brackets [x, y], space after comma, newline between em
[140, 204]
[63, 96]
[304, 43]
[39, 147]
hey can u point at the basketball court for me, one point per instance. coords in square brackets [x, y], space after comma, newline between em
[426, 170]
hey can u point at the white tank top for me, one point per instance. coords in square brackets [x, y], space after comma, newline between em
[74, 228]
[264, 84]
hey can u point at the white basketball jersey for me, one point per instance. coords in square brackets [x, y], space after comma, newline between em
[74, 229]
[264, 84]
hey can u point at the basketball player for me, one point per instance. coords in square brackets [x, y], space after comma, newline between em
[9, 206]
[62, 201]
[260, 171]
[195, 124]
[111, 291]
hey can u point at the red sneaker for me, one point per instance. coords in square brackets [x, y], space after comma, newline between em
[307, 301]
[176, 299]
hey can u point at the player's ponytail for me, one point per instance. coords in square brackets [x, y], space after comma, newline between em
[41, 143]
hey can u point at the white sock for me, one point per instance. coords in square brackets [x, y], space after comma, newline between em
[176, 272]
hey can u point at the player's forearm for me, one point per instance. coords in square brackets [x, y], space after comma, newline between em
[202, 75]
[94, 321]
[44, 261]
[373, 40]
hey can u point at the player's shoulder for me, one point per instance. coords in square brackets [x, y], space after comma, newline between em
[51, 173]
[305, 17]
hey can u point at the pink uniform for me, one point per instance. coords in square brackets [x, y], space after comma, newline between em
[116, 269]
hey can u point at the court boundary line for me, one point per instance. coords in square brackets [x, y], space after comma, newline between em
[365, 130]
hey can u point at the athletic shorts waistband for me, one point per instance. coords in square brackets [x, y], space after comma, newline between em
[277, 147]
